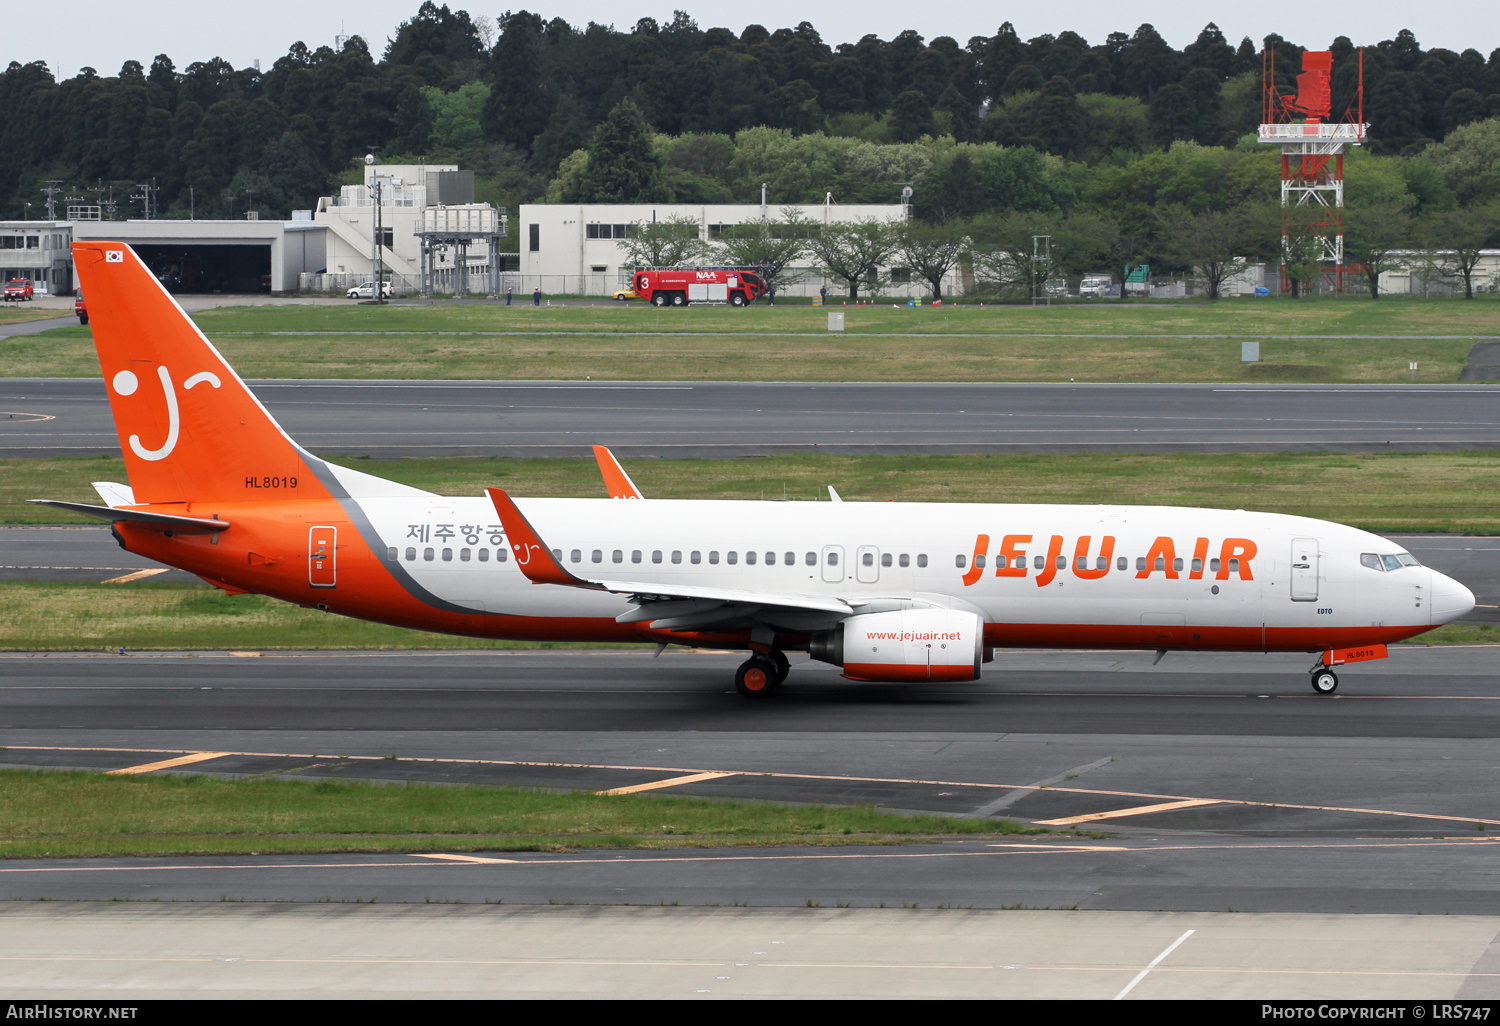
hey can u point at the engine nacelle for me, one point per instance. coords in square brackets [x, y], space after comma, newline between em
[905, 645]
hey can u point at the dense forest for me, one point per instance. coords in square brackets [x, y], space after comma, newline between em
[1127, 128]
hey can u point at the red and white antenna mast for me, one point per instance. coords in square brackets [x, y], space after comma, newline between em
[1312, 158]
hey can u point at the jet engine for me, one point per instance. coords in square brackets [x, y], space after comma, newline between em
[904, 645]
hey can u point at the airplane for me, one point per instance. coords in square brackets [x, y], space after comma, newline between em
[888, 591]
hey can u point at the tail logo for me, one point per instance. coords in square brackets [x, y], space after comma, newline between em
[524, 553]
[126, 383]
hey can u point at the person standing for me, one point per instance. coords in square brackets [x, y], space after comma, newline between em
[507, 295]
[536, 296]
[824, 293]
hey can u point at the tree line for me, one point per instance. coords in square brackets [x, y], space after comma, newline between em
[1125, 130]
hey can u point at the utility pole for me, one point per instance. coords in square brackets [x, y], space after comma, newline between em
[51, 189]
[379, 231]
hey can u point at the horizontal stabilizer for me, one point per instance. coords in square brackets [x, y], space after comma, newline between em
[115, 494]
[136, 516]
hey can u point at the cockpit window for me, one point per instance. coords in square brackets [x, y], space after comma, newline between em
[1388, 563]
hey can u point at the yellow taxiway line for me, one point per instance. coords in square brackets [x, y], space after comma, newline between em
[1139, 810]
[691, 778]
[182, 760]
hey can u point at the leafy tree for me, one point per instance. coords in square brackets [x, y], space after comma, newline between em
[931, 252]
[1458, 238]
[1469, 160]
[672, 242]
[911, 117]
[768, 245]
[1004, 257]
[623, 166]
[1208, 243]
[1372, 234]
[852, 253]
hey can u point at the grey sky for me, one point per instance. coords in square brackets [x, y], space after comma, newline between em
[105, 33]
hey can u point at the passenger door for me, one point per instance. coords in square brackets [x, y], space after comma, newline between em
[833, 563]
[867, 564]
[322, 556]
[1304, 569]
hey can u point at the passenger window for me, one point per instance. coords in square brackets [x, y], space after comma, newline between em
[905, 559]
[577, 556]
[677, 555]
[411, 555]
[1213, 564]
[463, 555]
[1101, 563]
[1197, 565]
[833, 559]
[1062, 562]
[557, 555]
[921, 559]
[1161, 562]
[617, 556]
[390, 555]
[790, 558]
[749, 558]
[447, 555]
[869, 559]
[770, 559]
[635, 555]
[979, 560]
[1140, 562]
[484, 555]
[713, 556]
[1122, 563]
[959, 561]
[695, 557]
[427, 555]
[1040, 562]
[656, 555]
[501, 556]
[1234, 565]
[812, 559]
[885, 559]
[1372, 561]
[598, 556]
[731, 558]
[1177, 563]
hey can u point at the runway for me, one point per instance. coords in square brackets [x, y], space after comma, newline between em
[61, 416]
[1202, 783]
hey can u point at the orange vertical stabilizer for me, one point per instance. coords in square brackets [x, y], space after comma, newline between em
[189, 428]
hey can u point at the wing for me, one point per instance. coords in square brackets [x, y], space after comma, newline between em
[615, 479]
[680, 607]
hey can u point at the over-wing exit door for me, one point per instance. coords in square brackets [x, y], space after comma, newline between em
[322, 556]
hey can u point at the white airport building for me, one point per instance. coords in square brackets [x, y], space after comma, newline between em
[576, 249]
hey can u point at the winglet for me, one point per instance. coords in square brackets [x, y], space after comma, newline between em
[615, 479]
[532, 555]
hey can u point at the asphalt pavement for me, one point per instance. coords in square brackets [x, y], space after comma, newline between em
[70, 416]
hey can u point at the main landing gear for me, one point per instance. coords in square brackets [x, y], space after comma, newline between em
[762, 673]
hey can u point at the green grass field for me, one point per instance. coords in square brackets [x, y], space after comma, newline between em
[69, 814]
[1387, 493]
[1333, 339]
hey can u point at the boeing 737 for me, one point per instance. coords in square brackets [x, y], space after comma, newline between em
[889, 591]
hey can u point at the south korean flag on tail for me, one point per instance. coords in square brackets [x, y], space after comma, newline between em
[114, 256]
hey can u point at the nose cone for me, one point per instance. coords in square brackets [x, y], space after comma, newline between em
[1450, 600]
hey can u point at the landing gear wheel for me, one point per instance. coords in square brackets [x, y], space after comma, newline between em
[755, 678]
[678, 299]
[1325, 682]
[783, 666]
[659, 299]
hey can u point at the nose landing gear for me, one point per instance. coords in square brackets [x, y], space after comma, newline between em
[1324, 680]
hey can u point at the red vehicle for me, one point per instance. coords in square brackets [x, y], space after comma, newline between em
[80, 309]
[18, 290]
[679, 287]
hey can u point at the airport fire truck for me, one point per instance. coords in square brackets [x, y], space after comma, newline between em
[679, 287]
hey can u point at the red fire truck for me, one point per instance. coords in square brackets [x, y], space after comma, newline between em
[679, 287]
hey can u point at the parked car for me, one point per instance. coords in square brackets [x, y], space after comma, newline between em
[366, 290]
[79, 308]
[626, 295]
[18, 290]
